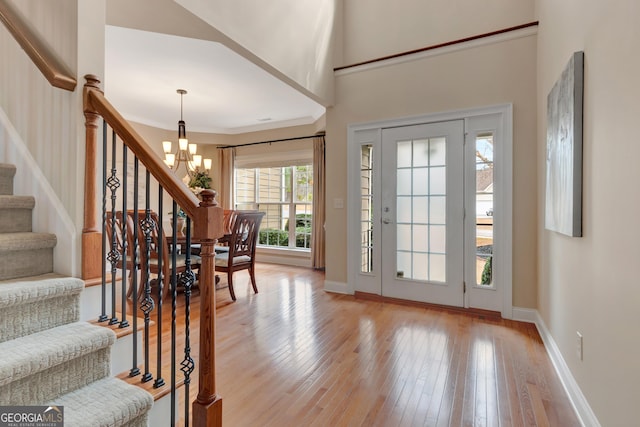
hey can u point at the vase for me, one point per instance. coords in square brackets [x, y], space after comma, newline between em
[180, 224]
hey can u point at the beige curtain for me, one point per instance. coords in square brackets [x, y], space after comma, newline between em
[317, 233]
[226, 166]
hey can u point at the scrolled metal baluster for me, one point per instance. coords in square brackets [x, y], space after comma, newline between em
[187, 279]
[147, 225]
[174, 311]
[113, 183]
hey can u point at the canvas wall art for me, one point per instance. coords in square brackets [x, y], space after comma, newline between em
[563, 196]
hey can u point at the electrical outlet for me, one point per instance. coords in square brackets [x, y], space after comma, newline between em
[579, 345]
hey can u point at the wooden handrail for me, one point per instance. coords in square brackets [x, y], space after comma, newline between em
[207, 218]
[36, 48]
[95, 101]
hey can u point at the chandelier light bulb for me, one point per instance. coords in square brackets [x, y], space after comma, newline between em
[166, 146]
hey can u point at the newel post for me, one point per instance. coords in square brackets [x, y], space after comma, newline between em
[91, 232]
[207, 408]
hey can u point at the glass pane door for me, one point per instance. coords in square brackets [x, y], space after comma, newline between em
[422, 212]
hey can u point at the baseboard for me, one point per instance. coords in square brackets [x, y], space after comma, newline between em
[337, 287]
[527, 315]
[579, 402]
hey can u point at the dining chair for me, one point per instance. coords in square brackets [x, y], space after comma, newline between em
[223, 243]
[159, 244]
[242, 248]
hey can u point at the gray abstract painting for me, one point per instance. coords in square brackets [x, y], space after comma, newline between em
[563, 197]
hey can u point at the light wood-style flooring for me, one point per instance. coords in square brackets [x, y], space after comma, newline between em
[295, 355]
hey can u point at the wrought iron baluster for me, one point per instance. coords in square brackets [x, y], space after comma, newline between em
[187, 279]
[114, 256]
[174, 306]
[147, 225]
[159, 382]
[134, 262]
[124, 323]
[103, 313]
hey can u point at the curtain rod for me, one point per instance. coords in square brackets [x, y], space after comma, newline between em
[320, 134]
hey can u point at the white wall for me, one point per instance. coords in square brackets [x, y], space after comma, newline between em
[589, 284]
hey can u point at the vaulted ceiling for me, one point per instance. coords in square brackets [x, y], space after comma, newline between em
[147, 60]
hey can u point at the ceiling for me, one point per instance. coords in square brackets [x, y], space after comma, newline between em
[225, 92]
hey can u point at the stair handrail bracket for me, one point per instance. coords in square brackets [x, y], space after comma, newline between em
[206, 216]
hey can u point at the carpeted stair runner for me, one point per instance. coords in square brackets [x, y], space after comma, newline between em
[7, 172]
[26, 254]
[48, 357]
[30, 305]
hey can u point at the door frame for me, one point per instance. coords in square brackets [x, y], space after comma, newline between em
[361, 133]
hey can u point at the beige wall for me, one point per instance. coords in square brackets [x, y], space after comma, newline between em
[488, 75]
[48, 120]
[589, 284]
[376, 28]
[50, 133]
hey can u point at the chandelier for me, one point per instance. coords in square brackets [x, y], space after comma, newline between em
[186, 152]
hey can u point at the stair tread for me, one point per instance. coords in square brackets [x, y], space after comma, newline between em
[37, 352]
[101, 403]
[38, 288]
[16, 202]
[27, 240]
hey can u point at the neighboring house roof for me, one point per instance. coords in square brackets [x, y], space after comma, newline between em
[484, 180]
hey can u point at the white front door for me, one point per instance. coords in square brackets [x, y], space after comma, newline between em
[430, 209]
[422, 223]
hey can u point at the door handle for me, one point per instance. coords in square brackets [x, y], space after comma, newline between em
[386, 221]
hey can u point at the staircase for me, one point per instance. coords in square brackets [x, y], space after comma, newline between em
[48, 357]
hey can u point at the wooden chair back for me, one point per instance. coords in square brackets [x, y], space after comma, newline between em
[242, 248]
[244, 235]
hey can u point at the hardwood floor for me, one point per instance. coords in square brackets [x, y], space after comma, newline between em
[294, 355]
